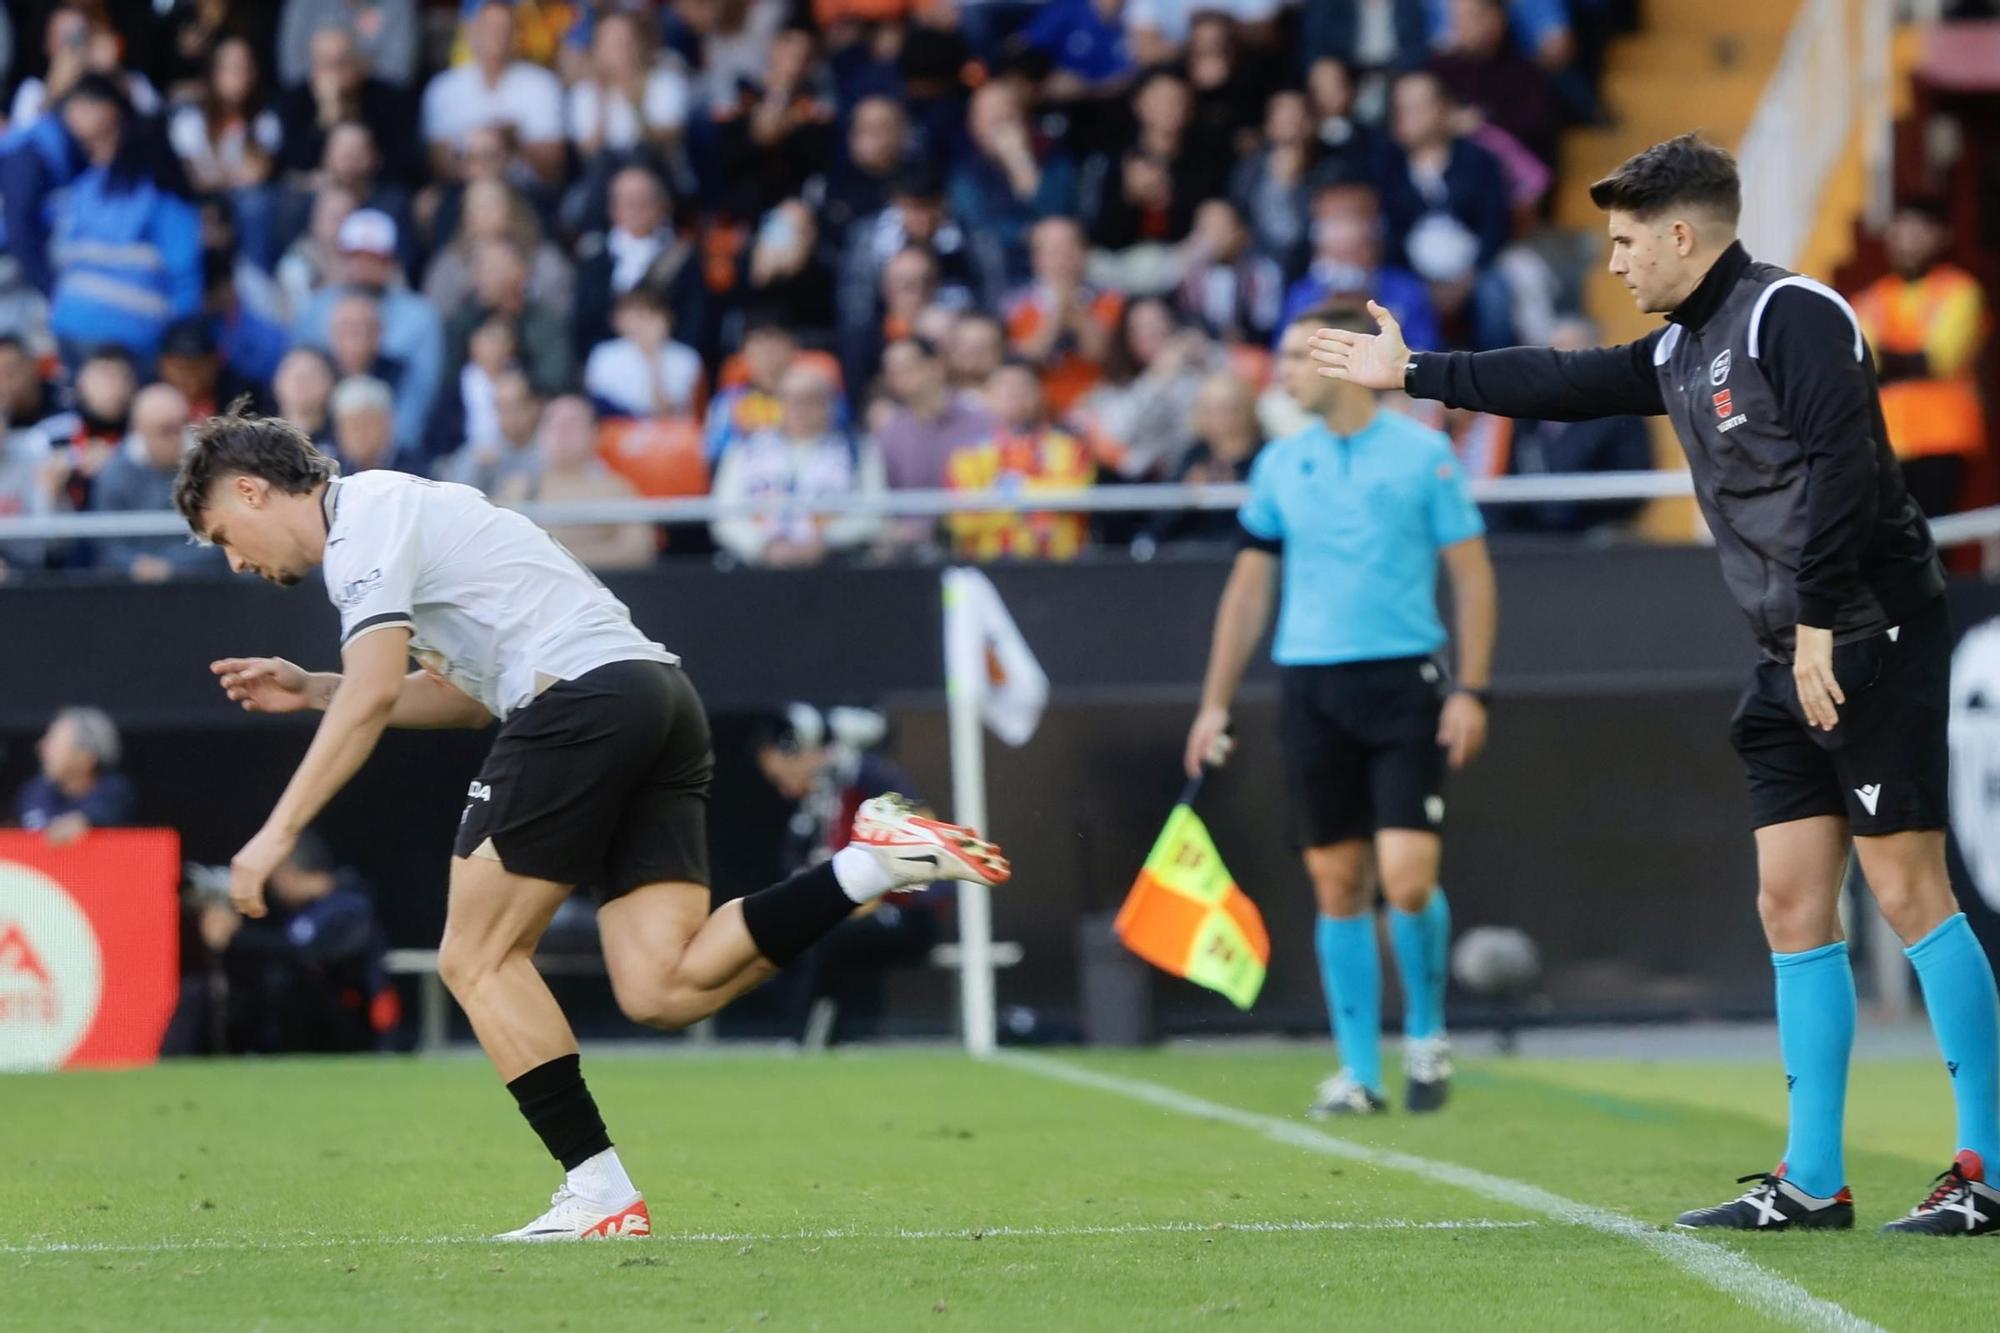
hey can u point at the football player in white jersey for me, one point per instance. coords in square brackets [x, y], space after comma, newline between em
[598, 777]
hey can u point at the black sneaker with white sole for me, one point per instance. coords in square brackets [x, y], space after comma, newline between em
[1962, 1204]
[1774, 1204]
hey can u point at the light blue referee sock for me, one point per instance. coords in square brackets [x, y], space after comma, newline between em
[1351, 969]
[1421, 940]
[1816, 1035]
[1958, 991]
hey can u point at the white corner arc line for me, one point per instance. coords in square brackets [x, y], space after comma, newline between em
[1728, 1272]
[1302, 1225]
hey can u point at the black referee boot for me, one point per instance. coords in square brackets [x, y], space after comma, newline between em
[1963, 1204]
[1775, 1204]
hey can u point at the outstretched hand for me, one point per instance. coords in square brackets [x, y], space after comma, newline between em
[263, 684]
[1372, 360]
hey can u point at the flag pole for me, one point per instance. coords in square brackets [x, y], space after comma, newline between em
[1193, 788]
[965, 687]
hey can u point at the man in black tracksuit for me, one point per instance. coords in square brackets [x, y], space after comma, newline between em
[1772, 392]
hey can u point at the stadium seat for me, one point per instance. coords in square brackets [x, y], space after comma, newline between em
[660, 457]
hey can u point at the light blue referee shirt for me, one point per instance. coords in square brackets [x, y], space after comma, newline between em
[1359, 520]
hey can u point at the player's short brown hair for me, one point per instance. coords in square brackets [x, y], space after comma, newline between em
[235, 443]
[1350, 316]
[1686, 171]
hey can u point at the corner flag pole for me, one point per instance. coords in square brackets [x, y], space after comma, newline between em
[965, 685]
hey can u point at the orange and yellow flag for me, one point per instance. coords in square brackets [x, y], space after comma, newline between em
[1185, 914]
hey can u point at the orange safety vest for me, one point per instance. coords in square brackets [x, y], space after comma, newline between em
[1928, 416]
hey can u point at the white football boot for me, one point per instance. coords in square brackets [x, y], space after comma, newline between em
[573, 1217]
[917, 851]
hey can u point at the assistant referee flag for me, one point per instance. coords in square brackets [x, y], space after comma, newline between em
[1185, 914]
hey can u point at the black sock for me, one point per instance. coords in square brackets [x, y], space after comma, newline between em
[560, 1109]
[785, 919]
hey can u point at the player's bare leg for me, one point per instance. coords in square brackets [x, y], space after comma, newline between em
[1351, 973]
[1800, 864]
[673, 963]
[493, 920]
[1419, 929]
[1907, 873]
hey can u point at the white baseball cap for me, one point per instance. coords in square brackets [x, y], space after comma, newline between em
[368, 231]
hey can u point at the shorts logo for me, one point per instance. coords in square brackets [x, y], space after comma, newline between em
[1718, 369]
[479, 791]
[1871, 795]
[1434, 809]
[354, 590]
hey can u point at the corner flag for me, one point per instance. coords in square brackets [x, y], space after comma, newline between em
[1186, 915]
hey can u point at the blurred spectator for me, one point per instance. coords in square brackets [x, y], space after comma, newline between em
[1605, 444]
[629, 97]
[1158, 29]
[1024, 454]
[1231, 290]
[1347, 264]
[352, 164]
[26, 399]
[1148, 191]
[1447, 206]
[781, 272]
[303, 389]
[500, 289]
[1059, 324]
[1085, 42]
[242, 300]
[1369, 37]
[1227, 438]
[1271, 188]
[643, 372]
[469, 412]
[126, 234]
[1137, 419]
[776, 132]
[36, 161]
[859, 182]
[364, 426]
[914, 218]
[79, 787]
[490, 462]
[1228, 96]
[930, 422]
[140, 479]
[639, 249]
[339, 89]
[1349, 147]
[494, 88]
[1494, 81]
[491, 210]
[191, 363]
[824, 765]
[385, 35]
[308, 977]
[1927, 321]
[1008, 179]
[88, 438]
[412, 335]
[310, 262]
[229, 140]
[568, 468]
[79, 45]
[739, 410]
[354, 335]
[801, 460]
[731, 40]
[28, 483]
[974, 348]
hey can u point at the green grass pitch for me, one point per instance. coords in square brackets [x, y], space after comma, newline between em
[907, 1189]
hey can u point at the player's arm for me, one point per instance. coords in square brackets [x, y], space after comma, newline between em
[1537, 382]
[1812, 354]
[1240, 622]
[1475, 598]
[273, 685]
[371, 680]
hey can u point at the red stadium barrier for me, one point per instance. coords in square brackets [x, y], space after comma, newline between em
[89, 947]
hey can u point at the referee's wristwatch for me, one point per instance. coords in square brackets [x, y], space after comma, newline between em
[1409, 373]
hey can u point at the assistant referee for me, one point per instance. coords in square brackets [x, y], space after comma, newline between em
[1771, 389]
[1358, 508]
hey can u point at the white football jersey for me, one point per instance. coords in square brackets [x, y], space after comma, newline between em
[493, 603]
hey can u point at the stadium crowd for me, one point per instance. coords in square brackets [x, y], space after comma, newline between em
[758, 248]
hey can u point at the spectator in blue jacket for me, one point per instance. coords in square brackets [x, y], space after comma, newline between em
[127, 235]
[141, 480]
[79, 786]
[1007, 181]
[35, 162]
[1347, 262]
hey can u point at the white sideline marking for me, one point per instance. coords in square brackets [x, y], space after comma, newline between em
[774, 1237]
[1723, 1269]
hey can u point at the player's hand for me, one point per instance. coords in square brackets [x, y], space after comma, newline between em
[264, 684]
[1209, 742]
[1372, 360]
[1462, 729]
[1812, 669]
[251, 867]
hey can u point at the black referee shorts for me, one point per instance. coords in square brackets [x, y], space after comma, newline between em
[1359, 741]
[601, 782]
[1884, 767]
